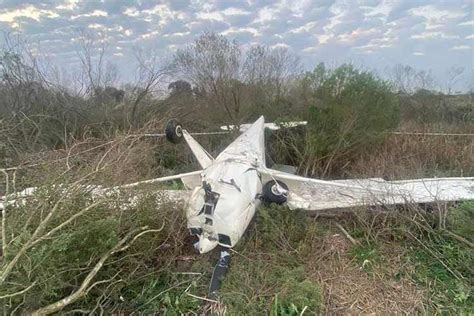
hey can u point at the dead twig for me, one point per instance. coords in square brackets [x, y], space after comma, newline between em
[458, 238]
[4, 216]
[201, 298]
[19, 292]
[348, 236]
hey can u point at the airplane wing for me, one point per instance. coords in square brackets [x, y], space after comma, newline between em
[312, 194]
[189, 179]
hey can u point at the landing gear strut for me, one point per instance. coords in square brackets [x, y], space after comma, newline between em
[220, 270]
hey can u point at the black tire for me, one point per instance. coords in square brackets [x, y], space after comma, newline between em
[174, 131]
[270, 193]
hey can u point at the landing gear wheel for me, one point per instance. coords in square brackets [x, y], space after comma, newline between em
[174, 131]
[272, 193]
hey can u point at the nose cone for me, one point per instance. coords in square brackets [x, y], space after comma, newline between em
[206, 245]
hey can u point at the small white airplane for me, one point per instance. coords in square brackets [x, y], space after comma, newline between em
[229, 188]
[226, 192]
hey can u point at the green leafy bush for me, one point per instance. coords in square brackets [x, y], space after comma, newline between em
[349, 111]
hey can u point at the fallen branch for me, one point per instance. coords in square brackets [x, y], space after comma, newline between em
[4, 216]
[82, 290]
[348, 236]
[201, 298]
[39, 230]
[458, 238]
[18, 293]
[65, 223]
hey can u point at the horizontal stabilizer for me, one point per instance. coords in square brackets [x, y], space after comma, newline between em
[271, 126]
[202, 156]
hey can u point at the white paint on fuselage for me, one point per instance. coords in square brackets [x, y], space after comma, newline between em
[233, 175]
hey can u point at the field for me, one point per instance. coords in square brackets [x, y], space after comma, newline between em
[129, 252]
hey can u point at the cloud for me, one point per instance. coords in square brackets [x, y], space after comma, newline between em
[31, 12]
[372, 33]
[462, 47]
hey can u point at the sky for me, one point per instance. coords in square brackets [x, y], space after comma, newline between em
[425, 34]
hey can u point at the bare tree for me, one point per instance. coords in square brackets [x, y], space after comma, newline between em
[149, 76]
[212, 63]
[20, 74]
[270, 70]
[453, 76]
[408, 80]
[97, 72]
[234, 80]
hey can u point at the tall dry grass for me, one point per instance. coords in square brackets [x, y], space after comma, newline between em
[415, 156]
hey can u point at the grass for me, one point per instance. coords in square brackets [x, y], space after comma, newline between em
[447, 278]
[268, 273]
[444, 266]
[366, 256]
[434, 262]
[461, 219]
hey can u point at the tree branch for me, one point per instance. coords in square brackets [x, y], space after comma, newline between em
[82, 290]
[4, 217]
[18, 293]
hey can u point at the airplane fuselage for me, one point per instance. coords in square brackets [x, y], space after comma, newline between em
[221, 208]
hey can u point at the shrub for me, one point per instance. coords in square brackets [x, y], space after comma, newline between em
[57, 262]
[348, 112]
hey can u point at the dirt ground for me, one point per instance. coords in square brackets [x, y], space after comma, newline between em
[350, 289]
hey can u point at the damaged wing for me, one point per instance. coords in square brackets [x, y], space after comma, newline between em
[312, 194]
[189, 179]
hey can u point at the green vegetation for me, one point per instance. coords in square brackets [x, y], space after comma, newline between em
[432, 259]
[350, 112]
[445, 269]
[444, 266]
[461, 219]
[366, 256]
[271, 274]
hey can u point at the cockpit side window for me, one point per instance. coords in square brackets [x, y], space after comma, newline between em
[209, 208]
[210, 200]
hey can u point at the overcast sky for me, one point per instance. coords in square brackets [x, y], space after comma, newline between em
[425, 34]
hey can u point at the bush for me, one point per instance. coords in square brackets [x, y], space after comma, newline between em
[60, 259]
[348, 112]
